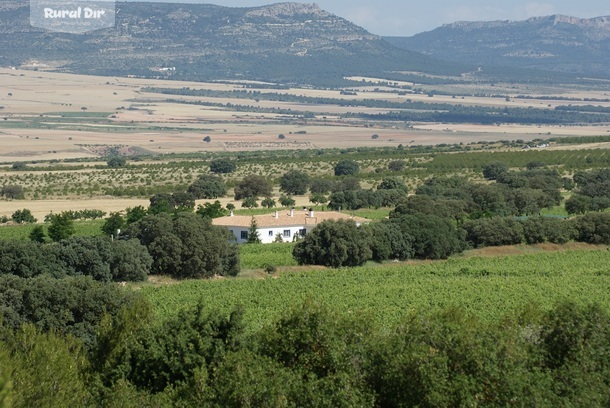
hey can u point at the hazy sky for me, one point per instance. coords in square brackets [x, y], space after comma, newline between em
[408, 17]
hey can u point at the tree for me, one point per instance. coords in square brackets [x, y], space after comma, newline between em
[593, 228]
[208, 187]
[113, 224]
[495, 231]
[207, 139]
[135, 214]
[492, 170]
[294, 182]
[37, 234]
[184, 201]
[253, 186]
[62, 226]
[396, 165]
[253, 235]
[287, 201]
[249, 202]
[211, 210]
[268, 202]
[347, 168]
[321, 186]
[432, 237]
[20, 166]
[117, 161]
[23, 217]
[223, 166]
[335, 244]
[186, 245]
[393, 183]
[13, 192]
[318, 198]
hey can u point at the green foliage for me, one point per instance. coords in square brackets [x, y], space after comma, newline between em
[249, 202]
[294, 182]
[392, 183]
[346, 168]
[186, 246]
[268, 202]
[135, 214]
[287, 201]
[495, 231]
[13, 192]
[208, 186]
[211, 210]
[253, 235]
[62, 227]
[117, 161]
[113, 224]
[48, 369]
[396, 165]
[170, 353]
[593, 228]
[71, 305]
[335, 244]
[253, 186]
[223, 166]
[19, 166]
[37, 234]
[493, 170]
[23, 217]
[431, 237]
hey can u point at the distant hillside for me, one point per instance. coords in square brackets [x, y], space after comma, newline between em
[556, 43]
[287, 42]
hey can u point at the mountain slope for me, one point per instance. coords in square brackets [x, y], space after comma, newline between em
[287, 42]
[555, 43]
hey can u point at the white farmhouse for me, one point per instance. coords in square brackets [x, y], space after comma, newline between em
[285, 224]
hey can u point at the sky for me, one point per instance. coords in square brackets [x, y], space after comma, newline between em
[408, 17]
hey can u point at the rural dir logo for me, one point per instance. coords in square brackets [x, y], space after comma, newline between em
[72, 16]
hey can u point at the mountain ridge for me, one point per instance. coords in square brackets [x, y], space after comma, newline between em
[282, 42]
[554, 43]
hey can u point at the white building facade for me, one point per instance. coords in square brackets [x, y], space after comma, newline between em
[280, 226]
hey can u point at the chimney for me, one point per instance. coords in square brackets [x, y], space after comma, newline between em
[292, 212]
[277, 215]
[311, 212]
[232, 214]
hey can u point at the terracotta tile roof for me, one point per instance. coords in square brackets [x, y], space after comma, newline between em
[284, 219]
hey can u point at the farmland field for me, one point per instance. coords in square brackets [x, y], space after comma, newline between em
[488, 287]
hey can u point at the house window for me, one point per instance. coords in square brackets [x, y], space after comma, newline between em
[286, 233]
[302, 232]
[244, 235]
[270, 233]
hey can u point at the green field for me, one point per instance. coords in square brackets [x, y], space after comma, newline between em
[22, 232]
[489, 287]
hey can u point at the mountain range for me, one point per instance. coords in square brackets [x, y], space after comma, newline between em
[286, 42]
[296, 43]
[553, 43]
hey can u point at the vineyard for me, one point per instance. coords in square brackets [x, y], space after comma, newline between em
[486, 287]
